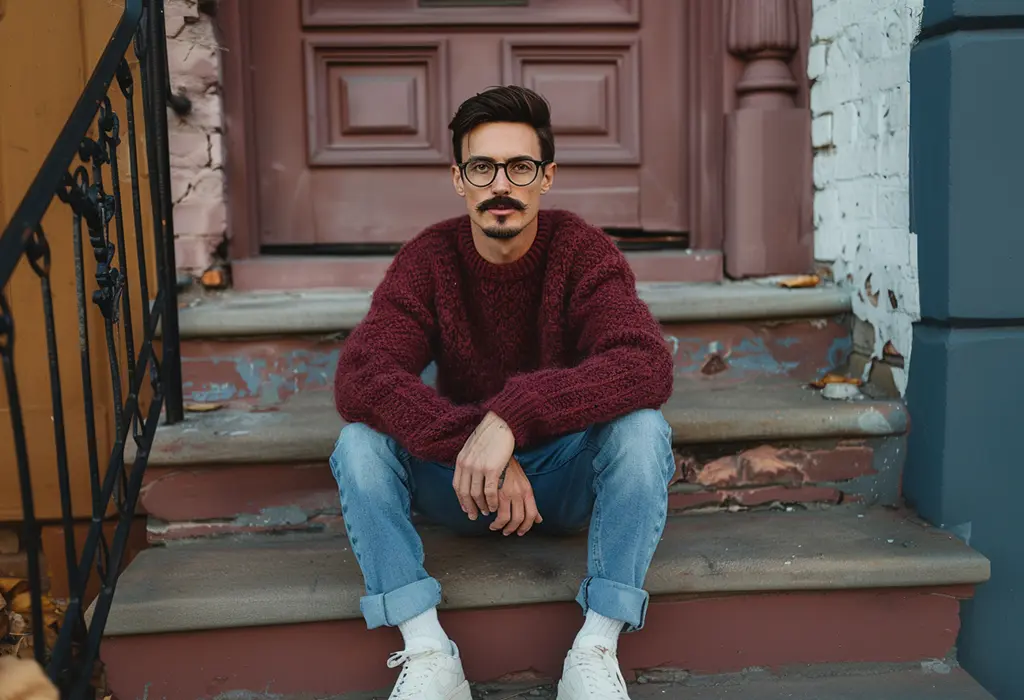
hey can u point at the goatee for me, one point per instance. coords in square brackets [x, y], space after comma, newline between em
[501, 232]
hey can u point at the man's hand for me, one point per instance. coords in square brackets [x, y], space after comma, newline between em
[479, 466]
[517, 509]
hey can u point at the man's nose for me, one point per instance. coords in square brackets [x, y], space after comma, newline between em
[501, 185]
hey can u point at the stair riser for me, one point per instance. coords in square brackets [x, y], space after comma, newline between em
[268, 371]
[702, 635]
[194, 502]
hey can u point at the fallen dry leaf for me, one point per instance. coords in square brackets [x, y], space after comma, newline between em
[715, 364]
[203, 407]
[832, 378]
[800, 281]
[22, 603]
[7, 585]
[213, 279]
[18, 624]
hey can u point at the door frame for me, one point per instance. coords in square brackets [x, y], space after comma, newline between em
[712, 73]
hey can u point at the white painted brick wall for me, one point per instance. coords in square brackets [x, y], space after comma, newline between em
[196, 146]
[859, 63]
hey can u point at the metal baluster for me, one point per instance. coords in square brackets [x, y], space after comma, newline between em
[156, 68]
[30, 527]
[98, 210]
[74, 186]
[110, 133]
[38, 254]
[127, 85]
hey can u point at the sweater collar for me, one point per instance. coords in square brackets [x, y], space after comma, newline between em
[523, 267]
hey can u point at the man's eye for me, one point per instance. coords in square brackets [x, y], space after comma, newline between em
[480, 167]
[522, 167]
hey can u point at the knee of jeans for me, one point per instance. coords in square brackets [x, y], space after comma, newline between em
[646, 437]
[363, 460]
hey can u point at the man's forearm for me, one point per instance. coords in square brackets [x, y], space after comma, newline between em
[547, 403]
[400, 405]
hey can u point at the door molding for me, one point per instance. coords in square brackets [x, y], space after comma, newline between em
[712, 74]
[239, 127]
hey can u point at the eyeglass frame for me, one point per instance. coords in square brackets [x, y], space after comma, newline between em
[503, 165]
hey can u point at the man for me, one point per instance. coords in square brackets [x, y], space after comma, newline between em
[550, 371]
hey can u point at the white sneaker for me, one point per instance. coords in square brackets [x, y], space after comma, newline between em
[429, 674]
[592, 673]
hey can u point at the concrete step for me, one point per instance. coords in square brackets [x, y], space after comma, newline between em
[846, 585]
[930, 681]
[262, 348]
[758, 443]
[305, 428]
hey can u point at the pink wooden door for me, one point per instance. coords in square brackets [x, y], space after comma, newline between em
[352, 98]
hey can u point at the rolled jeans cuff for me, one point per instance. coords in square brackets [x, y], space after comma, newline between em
[395, 607]
[615, 600]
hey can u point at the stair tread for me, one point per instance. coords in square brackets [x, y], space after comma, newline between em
[331, 310]
[262, 581]
[954, 684]
[305, 427]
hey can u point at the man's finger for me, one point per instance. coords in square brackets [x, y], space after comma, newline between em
[518, 513]
[491, 490]
[465, 497]
[504, 514]
[456, 480]
[532, 515]
[476, 491]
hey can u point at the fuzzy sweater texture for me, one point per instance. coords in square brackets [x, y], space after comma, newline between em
[552, 343]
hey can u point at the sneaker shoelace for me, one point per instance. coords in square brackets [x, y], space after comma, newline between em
[600, 670]
[419, 669]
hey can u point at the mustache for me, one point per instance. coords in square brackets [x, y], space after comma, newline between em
[501, 202]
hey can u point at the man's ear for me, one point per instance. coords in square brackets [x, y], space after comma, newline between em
[457, 183]
[549, 177]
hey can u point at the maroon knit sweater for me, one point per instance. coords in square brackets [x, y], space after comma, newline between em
[552, 343]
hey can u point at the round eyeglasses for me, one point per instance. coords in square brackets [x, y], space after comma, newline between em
[519, 171]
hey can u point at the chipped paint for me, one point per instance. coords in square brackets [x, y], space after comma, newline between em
[267, 372]
[862, 165]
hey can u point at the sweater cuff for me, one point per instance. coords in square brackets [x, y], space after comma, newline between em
[518, 406]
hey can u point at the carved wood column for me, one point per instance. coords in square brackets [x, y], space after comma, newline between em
[768, 226]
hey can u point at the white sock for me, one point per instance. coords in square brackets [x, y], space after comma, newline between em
[425, 631]
[599, 631]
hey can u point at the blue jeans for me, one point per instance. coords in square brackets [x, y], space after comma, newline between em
[614, 476]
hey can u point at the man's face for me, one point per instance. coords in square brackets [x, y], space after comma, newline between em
[505, 205]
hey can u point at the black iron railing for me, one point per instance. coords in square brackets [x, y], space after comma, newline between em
[145, 380]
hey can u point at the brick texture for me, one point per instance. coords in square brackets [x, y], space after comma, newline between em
[768, 474]
[859, 65]
[196, 146]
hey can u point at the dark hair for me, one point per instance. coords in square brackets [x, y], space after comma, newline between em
[511, 103]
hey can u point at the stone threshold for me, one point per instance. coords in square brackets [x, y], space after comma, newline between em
[298, 272]
[262, 313]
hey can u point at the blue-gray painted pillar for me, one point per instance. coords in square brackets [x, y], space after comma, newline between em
[965, 466]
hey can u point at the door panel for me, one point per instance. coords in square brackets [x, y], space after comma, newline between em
[593, 85]
[379, 101]
[351, 135]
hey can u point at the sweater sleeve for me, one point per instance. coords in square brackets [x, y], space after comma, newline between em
[378, 377]
[626, 364]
